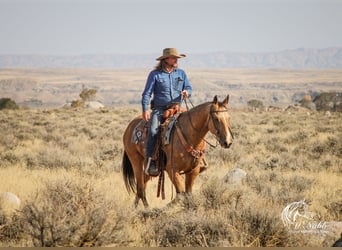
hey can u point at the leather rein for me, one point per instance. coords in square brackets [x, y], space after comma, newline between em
[211, 111]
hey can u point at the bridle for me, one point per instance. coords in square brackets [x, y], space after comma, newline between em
[211, 117]
[215, 125]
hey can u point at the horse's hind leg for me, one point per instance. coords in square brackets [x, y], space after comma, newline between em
[143, 195]
[143, 199]
[141, 180]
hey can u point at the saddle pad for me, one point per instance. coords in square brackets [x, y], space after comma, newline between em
[138, 132]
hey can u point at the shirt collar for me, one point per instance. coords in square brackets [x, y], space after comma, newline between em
[174, 70]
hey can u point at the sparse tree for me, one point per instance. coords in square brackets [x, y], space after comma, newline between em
[255, 103]
[88, 94]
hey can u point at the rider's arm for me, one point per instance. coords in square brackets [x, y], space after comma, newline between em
[187, 85]
[146, 95]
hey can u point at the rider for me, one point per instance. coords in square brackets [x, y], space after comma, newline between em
[169, 85]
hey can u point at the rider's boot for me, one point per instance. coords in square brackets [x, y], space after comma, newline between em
[151, 168]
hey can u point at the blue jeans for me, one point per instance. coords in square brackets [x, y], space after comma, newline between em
[154, 126]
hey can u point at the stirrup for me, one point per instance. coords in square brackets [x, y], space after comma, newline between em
[147, 172]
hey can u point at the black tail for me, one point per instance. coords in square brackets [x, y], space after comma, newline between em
[128, 174]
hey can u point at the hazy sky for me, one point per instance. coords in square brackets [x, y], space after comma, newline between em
[74, 27]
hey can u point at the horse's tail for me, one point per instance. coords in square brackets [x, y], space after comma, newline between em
[128, 174]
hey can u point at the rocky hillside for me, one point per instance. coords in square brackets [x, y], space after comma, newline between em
[302, 58]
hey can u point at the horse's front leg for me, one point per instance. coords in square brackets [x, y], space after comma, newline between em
[190, 179]
[176, 181]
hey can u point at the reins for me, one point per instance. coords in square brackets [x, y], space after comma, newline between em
[212, 111]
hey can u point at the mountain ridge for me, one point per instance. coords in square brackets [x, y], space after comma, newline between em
[300, 58]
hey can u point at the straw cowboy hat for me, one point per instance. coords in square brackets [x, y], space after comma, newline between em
[170, 52]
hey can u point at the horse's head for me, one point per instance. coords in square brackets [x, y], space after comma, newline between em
[219, 123]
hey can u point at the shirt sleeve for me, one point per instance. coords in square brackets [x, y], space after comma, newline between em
[146, 95]
[187, 85]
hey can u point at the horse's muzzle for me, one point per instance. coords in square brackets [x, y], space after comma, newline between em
[225, 144]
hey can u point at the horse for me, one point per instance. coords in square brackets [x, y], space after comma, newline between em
[185, 151]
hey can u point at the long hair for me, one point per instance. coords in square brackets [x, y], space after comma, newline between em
[161, 66]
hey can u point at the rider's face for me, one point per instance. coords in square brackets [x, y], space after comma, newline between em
[172, 61]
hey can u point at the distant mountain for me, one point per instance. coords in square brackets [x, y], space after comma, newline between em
[302, 58]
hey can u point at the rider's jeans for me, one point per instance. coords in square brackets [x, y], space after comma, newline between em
[155, 122]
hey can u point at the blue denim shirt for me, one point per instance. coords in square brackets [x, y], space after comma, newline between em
[166, 88]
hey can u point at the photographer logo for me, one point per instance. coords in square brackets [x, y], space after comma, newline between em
[298, 219]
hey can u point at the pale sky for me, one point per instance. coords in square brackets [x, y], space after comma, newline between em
[78, 27]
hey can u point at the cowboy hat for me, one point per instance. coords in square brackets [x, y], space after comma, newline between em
[170, 52]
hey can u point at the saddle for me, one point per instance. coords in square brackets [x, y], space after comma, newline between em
[170, 115]
[172, 110]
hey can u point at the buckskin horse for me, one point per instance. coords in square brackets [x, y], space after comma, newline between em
[185, 151]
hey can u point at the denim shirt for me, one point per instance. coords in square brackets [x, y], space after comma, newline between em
[166, 88]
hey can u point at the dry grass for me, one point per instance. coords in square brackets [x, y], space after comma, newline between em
[64, 164]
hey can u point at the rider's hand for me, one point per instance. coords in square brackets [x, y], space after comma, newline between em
[146, 115]
[185, 94]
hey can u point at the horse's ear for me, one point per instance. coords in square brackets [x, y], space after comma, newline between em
[225, 101]
[215, 101]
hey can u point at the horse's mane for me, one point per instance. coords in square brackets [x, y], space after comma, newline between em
[200, 106]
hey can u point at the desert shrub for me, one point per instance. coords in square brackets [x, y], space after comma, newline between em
[299, 136]
[69, 214]
[335, 209]
[54, 156]
[236, 220]
[275, 144]
[230, 156]
[190, 230]
[222, 225]
[279, 189]
[317, 149]
[11, 229]
[334, 145]
[9, 157]
[331, 146]
[77, 104]
[261, 228]
[216, 194]
[271, 162]
[8, 103]
[255, 103]
[88, 94]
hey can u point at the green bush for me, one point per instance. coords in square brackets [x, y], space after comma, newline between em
[255, 103]
[8, 103]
